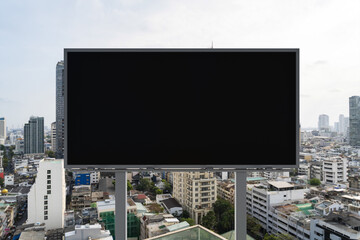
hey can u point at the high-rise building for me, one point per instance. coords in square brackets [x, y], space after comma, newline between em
[323, 123]
[34, 135]
[46, 199]
[2, 130]
[53, 136]
[196, 192]
[335, 170]
[342, 124]
[354, 121]
[60, 104]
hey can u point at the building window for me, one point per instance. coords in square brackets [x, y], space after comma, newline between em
[48, 186]
[48, 181]
[45, 202]
[45, 207]
[48, 176]
[49, 192]
[45, 217]
[48, 171]
[45, 197]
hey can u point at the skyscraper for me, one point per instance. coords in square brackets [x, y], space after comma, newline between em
[354, 121]
[323, 123]
[34, 135]
[60, 104]
[2, 130]
[46, 198]
[53, 136]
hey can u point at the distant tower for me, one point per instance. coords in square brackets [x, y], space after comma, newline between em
[2, 130]
[34, 135]
[60, 131]
[323, 123]
[46, 199]
[354, 121]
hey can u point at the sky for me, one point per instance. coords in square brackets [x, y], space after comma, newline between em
[33, 34]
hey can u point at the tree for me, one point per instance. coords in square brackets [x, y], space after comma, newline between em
[253, 226]
[158, 191]
[144, 185]
[50, 154]
[315, 182]
[129, 186]
[224, 212]
[189, 220]
[1, 182]
[281, 236]
[185, 214]
[209, 220]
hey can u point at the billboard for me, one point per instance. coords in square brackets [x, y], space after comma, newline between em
[181, 108]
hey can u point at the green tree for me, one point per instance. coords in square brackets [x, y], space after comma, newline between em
[224, 212]
[50, 154]
[270, 237]
[209, 220]
[315, 182]
[189, 220]
[1, 182]
[144, 185]
[185, 214]
[281, 236]
[158, 191]
[129, 186]
[253, 227]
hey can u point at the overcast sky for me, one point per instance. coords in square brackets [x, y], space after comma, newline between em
[34, 33]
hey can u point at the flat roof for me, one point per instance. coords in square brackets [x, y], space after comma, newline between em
[280, 184]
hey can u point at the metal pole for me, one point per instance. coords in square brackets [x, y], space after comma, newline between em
[120, 205]
[240, 205]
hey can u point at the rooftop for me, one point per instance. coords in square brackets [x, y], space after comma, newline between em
[280, 184]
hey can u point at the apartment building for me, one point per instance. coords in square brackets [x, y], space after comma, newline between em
[335, 170]
[226, 190]
[264, 201]
[46, 199]
[196, 192]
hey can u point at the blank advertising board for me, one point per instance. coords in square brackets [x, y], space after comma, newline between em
[181, 108]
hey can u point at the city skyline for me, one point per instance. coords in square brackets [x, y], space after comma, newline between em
[33, 37]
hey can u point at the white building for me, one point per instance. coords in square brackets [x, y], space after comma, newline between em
[46, 199]
[335, 170]
[261, 200]
[86, 232]
[9, 180]
[94, 177]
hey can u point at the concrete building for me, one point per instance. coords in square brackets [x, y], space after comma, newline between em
[94, 177]
[19, 145]
[53, 136]
[80, 197]
[195, 191]
[335, 170]
[9, 180]
[354, 121]
[262, 198]
[34, 135]
[226, 190]
[337, 225]
[60, 105]
[323, 123]
[2, 130]
[172, 206]
[46, 199]
[154, 225]
[86, 232]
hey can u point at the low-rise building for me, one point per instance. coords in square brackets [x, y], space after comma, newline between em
[172, 206]
[226, 190]
[86, 232]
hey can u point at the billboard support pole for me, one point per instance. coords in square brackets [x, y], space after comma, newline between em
[240, 205]
[120, 205]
